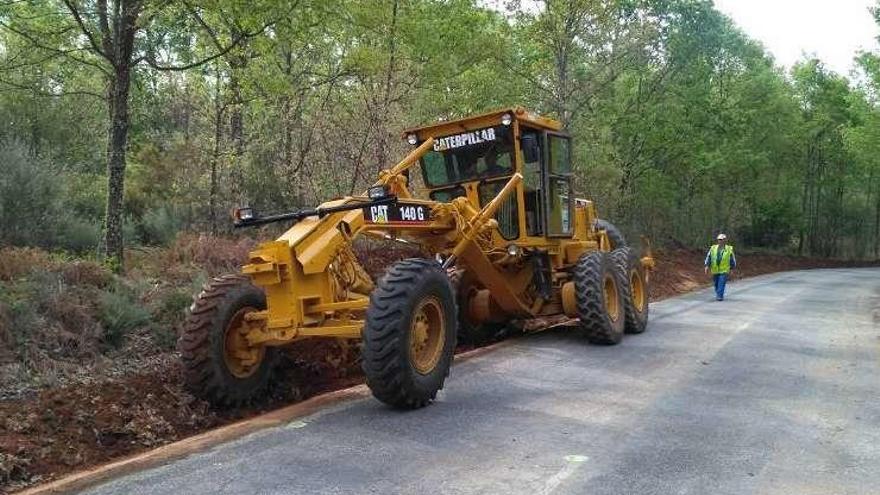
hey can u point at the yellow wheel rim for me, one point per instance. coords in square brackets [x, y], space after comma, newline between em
[612, 302]
[639, 296]
[241, 359]
[427, 334]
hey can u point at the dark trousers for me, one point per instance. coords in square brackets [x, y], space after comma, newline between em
[720, 280]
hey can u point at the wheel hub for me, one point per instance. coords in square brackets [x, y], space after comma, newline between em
[242, 360]
[612, 304]
[638, 291]
[427, 335]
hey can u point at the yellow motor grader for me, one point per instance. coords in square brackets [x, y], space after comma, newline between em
[507, 241]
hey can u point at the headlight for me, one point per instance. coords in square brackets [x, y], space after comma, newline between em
[513, 250]
[506, 119]
[412, 139]
[377, 192]
[244, 213]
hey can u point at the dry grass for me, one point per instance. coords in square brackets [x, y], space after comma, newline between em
[16, 262]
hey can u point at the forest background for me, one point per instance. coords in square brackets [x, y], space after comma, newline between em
[125, 123]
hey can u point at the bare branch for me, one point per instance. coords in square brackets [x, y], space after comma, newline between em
[39, 92]
[33, 63]
[205, 26]
[151, 61]
[85, 30]
[32, 39]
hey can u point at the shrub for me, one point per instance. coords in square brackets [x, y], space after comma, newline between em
[19, 316]
[119, 314]
[159, 226]
[85, 272]
[31, 192]
[215, 255]
[168, 314]
[79, 236]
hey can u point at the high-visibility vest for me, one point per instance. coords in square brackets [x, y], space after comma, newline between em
[724, 265]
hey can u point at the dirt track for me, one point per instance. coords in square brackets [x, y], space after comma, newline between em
[58, 431]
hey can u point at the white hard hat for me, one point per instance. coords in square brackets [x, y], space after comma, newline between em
[721, 237]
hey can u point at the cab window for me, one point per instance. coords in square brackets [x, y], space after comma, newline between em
[506, 215]
[559, 185]
[469, 156]
[559, 155]
[533, 189]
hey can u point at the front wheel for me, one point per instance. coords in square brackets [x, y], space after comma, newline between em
[409, 334]
[219, 365]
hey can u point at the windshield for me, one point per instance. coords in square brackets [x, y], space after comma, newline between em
[469, 156]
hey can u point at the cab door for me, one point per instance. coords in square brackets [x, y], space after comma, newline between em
[557, 184]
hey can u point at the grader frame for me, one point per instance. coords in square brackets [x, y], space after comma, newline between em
[314, 287]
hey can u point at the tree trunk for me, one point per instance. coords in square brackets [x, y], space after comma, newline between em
[382, 154]
[116, 147]
[236, 136]
[215, 153]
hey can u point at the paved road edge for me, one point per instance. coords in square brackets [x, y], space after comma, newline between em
[204, 441]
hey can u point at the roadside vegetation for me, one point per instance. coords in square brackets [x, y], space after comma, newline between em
[684, 126]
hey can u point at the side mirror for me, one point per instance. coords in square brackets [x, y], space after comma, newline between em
[529, 146]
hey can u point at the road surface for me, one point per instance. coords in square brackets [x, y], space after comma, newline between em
[774, 391]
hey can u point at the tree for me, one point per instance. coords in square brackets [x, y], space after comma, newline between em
[113, 37]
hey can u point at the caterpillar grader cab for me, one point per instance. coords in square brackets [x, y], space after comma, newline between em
[490, 199]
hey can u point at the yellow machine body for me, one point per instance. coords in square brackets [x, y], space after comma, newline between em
[315, 286]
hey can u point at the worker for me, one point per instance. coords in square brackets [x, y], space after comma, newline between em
[492, 166]
[720, 260]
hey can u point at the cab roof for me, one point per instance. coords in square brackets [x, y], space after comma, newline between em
[483, 120]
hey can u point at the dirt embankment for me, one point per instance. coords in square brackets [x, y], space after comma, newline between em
[94, 376]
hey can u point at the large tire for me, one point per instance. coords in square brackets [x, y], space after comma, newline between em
[599, 298]
[614, 234]
[210, 372]
[635, 289]
[409, 335]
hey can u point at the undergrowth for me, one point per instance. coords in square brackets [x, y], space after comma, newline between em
[60, 313]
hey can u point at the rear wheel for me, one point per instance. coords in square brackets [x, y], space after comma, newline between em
[614, 234]
[409, 335]
[600, 303]
[635, 289]
[219, 365]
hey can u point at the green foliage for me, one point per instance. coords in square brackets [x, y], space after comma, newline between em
[168, 314]
[38, 204]
[79, 235]
[31, 192]
[160, 225]
[683, 124]
[773, 225]
[119, 314]
[18, 315]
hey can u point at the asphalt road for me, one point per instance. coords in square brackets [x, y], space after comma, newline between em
[774, 391]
